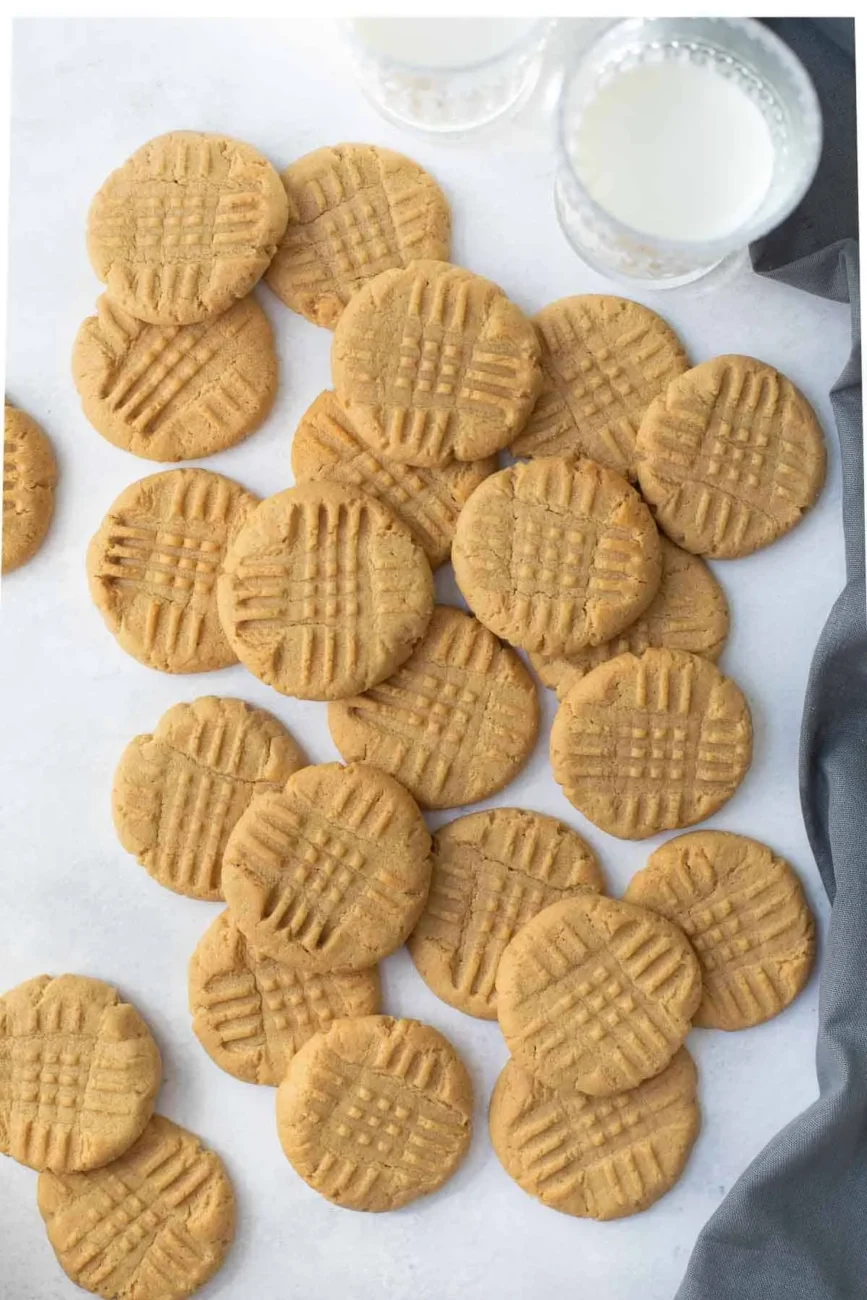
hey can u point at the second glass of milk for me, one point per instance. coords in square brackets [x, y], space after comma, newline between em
[446, 76]
[681, 141]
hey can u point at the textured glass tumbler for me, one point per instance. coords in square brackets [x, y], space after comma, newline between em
[451, 91]
[739, 49]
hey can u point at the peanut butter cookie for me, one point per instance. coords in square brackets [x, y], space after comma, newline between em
[650, 743]
[433, 363]
[744, 911]
[29, 478]
[604, 360]
[188, 224]
[354, 210]
[595, 995]
[333, 872]
[376, 1112]
[730, 457]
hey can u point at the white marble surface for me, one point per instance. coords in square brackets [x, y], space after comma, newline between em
[85, 94]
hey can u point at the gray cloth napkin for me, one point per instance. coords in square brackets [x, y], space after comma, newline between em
[794, 1226]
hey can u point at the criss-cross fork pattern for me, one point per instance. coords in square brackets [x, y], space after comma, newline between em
[610, 998]
[613, 1150]
[155, 378]
[385, 1117]
[139, 1202]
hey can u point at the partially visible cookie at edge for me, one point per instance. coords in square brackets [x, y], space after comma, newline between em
[178, 792]
[688, 612]
[744, 911]
[252, 1014]
[29, 479]
[175, 392]
[153, 565]
[435, 364]
[492, 872]
[604, 360]
[354, 210]
[156, 1223]
[326, 446]
[454, 724]
[730, 457]
[615, 1156]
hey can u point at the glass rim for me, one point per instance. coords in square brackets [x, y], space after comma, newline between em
[749, 230]
[536, 30]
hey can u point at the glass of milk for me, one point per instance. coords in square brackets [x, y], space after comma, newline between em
[681, 140]
[446, 75]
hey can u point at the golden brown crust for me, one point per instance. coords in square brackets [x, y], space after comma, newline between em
[324, 592]
[492, 872]
[454, 724]
[730, 457]
[186, 226]
[79, 1073]
[596, 1159]
[376, 1112]
[428, 501]
[29, 479]
[433, 363]
[153, 566]
[689, 612]
[154, 1224]
[594, 995]
[175, 392]
[252, 1014]
[178, 793]
[355, 210]
[556, 555]
[744, 911]
[333, 872]
[651, 743]
[604, 360]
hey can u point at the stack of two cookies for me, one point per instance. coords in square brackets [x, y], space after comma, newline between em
[133, 1204]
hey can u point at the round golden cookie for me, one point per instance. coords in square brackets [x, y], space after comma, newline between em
[354, 210]
[454, 724]
[730, 457]
[331, 873]
[433, 363]
[375, 1112]
[175, 392]
[492, 872]
[651, 743]
[178, 793]
[153, 567]
[428, 501]
[744, 911]
[688, 612]
[252, 1014]
[188, 224]
[604, 360]
[79, 1073]
[324, 592]
[29, 479]
[555, 555]
[594, 995]
[154, 1224]
[596, 1158]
